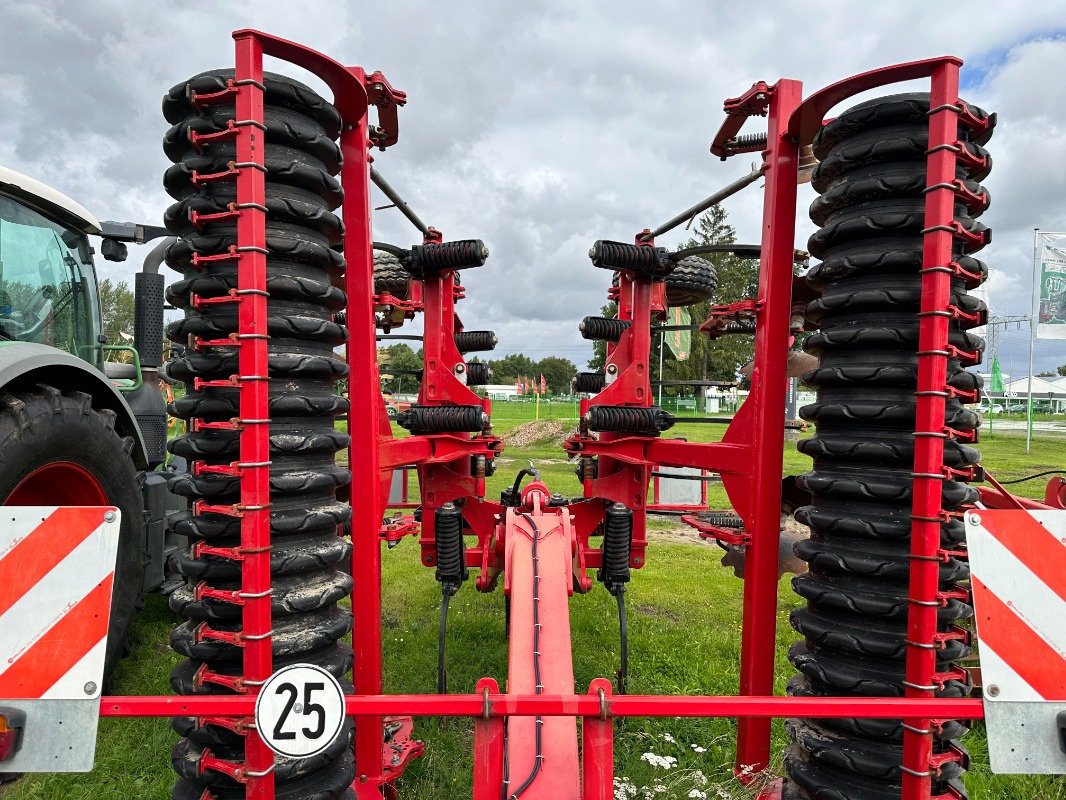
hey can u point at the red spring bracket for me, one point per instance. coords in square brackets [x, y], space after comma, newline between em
[753, 103]
[968, 357]
[206, 633]
[231, 254]
[972, 240]
[233, 769]
[200, 101]
[198, 302]
[230, 425]
[198, 139]
[236, 683]
[387, 99]
[958, 593]
[954, 634]
[967, 474]
[205, 592]
[241, 726]
[977, 318]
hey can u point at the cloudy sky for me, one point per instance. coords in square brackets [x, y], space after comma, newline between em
[541, 126]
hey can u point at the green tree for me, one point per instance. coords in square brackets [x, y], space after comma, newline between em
[398, 365]
[558, 373]
[508, 368]
[1061, 369]
[117, 310]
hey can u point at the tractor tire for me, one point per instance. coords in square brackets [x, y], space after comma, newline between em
[693, 280]
[389, 275]
[56, 449]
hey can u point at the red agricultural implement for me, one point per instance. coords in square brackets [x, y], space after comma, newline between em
[263, 462]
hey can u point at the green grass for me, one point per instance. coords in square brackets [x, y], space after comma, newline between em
[685, 613]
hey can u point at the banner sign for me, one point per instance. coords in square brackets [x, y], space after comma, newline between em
[1051, 319]
[679, 342]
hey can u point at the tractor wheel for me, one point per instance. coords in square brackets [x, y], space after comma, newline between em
[693, 280]
[57, 450]
[389, 275]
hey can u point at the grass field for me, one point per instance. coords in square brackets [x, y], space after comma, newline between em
[685, 615]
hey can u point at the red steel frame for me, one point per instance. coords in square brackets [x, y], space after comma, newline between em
[748, 459]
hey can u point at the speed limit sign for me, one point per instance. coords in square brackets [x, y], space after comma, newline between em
[300, 711]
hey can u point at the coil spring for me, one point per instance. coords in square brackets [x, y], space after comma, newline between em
[749, 143]
[586, 469]
[746, 326]
[626, 419]
[478, 374]
[722, 519]
[475, 341]
[603, 328]
[451, 553]
[442, 419]
[617, 545]
[589, 382]
[462, 254]
[619, 256]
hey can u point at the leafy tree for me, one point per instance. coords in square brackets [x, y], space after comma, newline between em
[558, 373]
[1047, 374]
[117, 310]
[397, 365]
[509, 368]
[1061, 369]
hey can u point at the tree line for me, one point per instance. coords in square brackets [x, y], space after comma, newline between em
[400, 364]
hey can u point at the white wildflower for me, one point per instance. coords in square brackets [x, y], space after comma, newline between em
[663, 762]
[697, 749]
[624, 789]
[669, 738]
[696, 794]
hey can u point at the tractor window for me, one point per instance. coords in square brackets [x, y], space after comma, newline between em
[45, 281]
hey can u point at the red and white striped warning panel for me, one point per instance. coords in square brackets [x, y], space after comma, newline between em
[57, 567]
[1018, 575]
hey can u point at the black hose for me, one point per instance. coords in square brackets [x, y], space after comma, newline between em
[1033, 477]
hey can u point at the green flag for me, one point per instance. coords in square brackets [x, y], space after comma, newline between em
[996, 386]
[679, 342]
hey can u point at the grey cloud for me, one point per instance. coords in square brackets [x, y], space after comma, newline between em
[537, 126]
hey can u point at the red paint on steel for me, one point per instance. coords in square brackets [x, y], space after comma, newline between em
[44, 547]
[769, 384]
[60, 483]
[568, 705]
[489, 741]
[62, 646]
[253, 397]
[597, 747]
[539, 653]
[933, 329]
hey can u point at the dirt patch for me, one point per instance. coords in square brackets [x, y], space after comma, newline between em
[542, 431]
[657, 611]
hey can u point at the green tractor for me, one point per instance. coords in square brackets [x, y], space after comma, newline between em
[78, 427]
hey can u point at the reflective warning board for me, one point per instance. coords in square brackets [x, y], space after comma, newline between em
[57, 566]
[1018, 574]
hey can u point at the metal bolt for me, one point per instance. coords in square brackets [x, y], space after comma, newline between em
[460, 368]
[760, 96]
[611, 369]
[379, 87]
[993, 690]
[298, 708]
[592, 252]
[109, 516]
[484, 252]
[975, 519]
[89, 688]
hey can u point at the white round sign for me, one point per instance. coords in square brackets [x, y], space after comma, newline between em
[300, 711]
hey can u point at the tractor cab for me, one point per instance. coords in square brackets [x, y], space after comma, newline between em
[48, 289]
